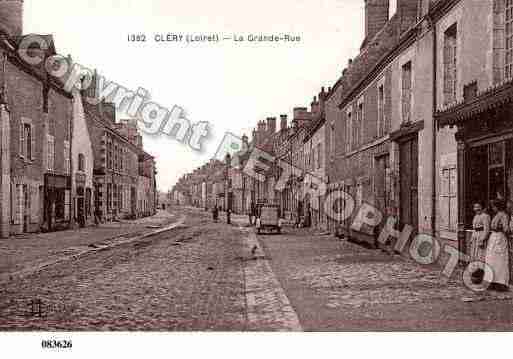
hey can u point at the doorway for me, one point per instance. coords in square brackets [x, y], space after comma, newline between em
[408, 181]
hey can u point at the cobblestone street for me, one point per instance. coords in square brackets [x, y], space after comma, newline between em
[211, 276]
[337, 285]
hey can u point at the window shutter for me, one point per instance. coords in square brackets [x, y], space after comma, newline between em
[14, 203]
[34, 204]
[22, 141]
[67, 205]
[33, 142]
[67, 163]
[19, 204]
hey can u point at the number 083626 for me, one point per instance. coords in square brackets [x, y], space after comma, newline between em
[56, 344]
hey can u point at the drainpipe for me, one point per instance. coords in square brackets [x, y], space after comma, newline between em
[434, 146]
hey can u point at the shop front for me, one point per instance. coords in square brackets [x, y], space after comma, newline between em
[57, 201]
[484, 151]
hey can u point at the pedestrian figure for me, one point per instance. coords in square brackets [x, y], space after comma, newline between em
[497, 250]
[97, 216]
[229, 216]
[480, 234]
[215, 213]
[251, 213]
[308, 217]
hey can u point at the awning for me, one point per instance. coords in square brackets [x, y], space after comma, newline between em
[490, 99]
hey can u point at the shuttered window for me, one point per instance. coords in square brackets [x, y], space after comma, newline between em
[67, 161]
[448, 200]
[22, 148]
[450, 68]
[27, 139]
[509, 39]
[50, 153]
[349, 126]
[381, 111]
[406, 91]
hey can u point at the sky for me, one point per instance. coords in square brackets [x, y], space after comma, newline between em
[230, 85]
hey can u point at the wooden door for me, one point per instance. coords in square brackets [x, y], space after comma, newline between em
[408, 173]
[382, 165]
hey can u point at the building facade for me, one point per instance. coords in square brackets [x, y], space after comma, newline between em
[36, 135]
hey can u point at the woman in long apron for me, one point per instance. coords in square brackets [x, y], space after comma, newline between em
[481, 231]
[497, 251]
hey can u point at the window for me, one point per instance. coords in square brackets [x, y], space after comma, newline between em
[448, 200]
[332, 140]
[358, 126]
[67, 162]
[81, 162]
[109, 196]
[406, 91]
[349, 126]
[51, 153]
[509, 40]
[120, 197]
[116, 160]
[319, 155]
[109, 154]
[122, 159]
[450, 68]
[27, 140]
[381, 111]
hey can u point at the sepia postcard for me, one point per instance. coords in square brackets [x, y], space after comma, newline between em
[197, 176]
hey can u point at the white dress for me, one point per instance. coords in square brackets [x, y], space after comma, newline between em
[481, 227]
[497, 251]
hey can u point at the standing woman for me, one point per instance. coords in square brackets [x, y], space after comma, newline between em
[497, 251]
[481, 231]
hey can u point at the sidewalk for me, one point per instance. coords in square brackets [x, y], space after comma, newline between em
[35, 249]
[334, 284]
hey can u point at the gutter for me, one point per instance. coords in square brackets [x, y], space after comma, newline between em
[434, 125]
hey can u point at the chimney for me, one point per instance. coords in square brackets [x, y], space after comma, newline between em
[376, 16]
[11, 17]
[283, 122]
[323, 95]
[408, 11]
[314, 106]
[271, 125]
[301, 116]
